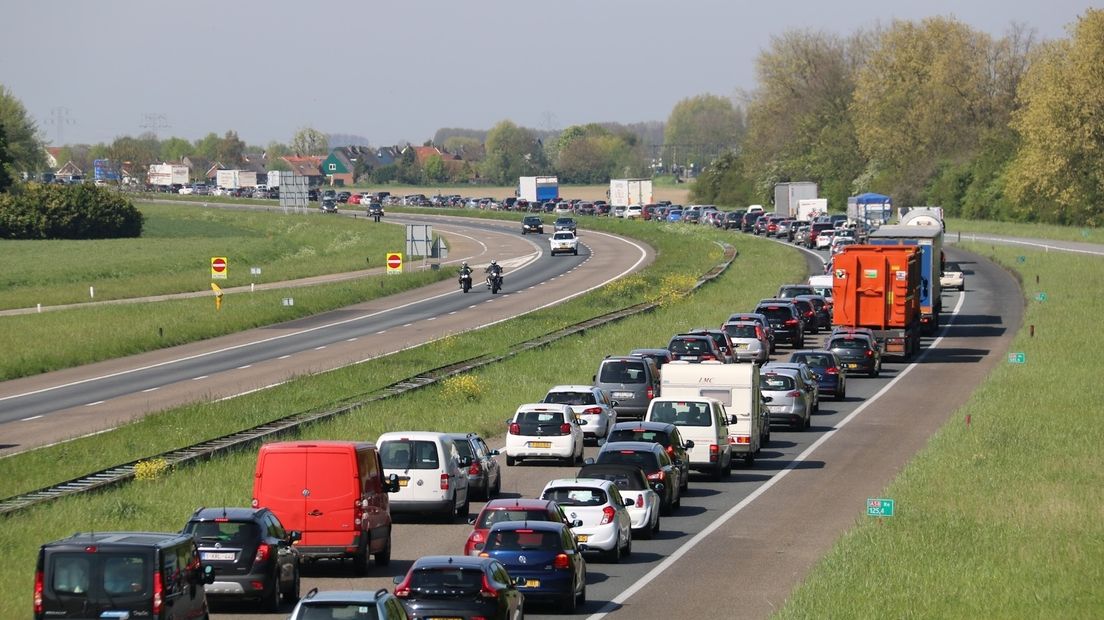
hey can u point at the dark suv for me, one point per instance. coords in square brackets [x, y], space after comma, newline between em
[785, 321]
[532, 224]
[695, 348]
[666, 435]
[856, 352]
[251, 554]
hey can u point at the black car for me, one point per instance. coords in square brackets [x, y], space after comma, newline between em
[375, 209]
[532, 224]
[654, 461]
[459, 586]
[564, 223]
[856, 352]
[720, 336]
[328, 205]
[821, 308]
[785, 321]
[343, 197]
[662, 433]
[747, 222]
[659, 356]
[253, 557]
[484, 473]
[808, 313]
[694, 348]
[733, 219]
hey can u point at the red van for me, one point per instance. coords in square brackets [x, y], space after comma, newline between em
[334, 492]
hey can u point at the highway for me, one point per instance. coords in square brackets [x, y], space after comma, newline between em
[738, 547]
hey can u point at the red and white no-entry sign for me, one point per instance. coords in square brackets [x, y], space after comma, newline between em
[394, 262]
[218, 268]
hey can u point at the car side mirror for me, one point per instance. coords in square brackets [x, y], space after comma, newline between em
[629, 502]
[593, 378]
[577, 523]
[732, 419]
[397, 579]
[615, 404]
[471, 521]
[583, 548]
[579, 422]
[601, 442]
[465, 461]
[294, 536]
[689, 443]
[658, 487]
[519, 581]
[768, 399]
[589, 461]
[392, 483]
[494, 453]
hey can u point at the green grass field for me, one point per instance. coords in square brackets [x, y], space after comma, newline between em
[480, 404]
[1030, 231]
[1002, 518]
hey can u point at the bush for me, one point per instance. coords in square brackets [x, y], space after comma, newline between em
[67, 212]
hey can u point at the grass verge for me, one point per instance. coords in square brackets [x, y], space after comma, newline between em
[761, 267]
[1029, 231]
[1001, 519]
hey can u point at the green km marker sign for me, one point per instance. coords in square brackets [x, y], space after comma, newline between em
[1017, 358]
[1041, 297]
[879, 507]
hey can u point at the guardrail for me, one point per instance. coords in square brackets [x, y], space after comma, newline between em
[119, 474]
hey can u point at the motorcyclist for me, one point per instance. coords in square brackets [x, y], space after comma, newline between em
[465, 270]
[494, 268]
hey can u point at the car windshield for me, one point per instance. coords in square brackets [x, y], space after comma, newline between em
[622, 371]
[681, 413]
[741, 331]
[776, 383]
[570, 398]
[524, 540]
[576, 496]
[644, 460]
[406, 454]
[487, 518]
[564, 235]
[325, 610]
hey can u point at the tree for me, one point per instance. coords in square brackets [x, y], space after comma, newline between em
[207, 147]
[596, 153]
[25, 150]
[5, 161]
[175, 149]
[701, 128]
[309, 141]
[141, 151]
[512, 152]
[725, 182]
[230, 150]
[275, 150]
[1058, 174]
[434, 169]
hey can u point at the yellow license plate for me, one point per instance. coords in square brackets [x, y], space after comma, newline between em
[852, 365]
[532, 583]
[582, 537]
[403, 482]
[540, 444]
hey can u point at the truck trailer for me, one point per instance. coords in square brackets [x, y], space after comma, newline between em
[234, 179]
[538, 189]
[167, 174]
[878, 287]
[929, 239]
[626, 192]
[787, 196]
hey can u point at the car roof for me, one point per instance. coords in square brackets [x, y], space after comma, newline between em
[234, 514]
[543, 526]
[401, 435]
[781, 370]
[341, 596]
[648, 426]
[127, 539]
[571, 388]
[649, 352]
[578, 482]
[502, 503]
[544, 407]
[467, 561]
[635, 446]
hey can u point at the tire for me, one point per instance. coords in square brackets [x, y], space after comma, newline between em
[575, 252]
[272, 599]
[749, 460]
[510, 461]
[628, 547]
[291, 597]
[383, 558]
[462, 513]
[571, 601]
[582, 596]
[720, 471]
[360, 561]
[614, 555]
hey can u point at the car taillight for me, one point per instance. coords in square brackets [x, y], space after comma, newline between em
[791, 322]
[869, 353]
[515, 428]
[759, 332]
[832, 370]
[158, 600]
[592, 411]
[358, 512]
[476, 540]
[708, 357]
[793, 394]
[607, 515]
[444, 482]
[671, 451]
[565, 428]
[38, 592]
[640, 501]
[658, 476]
[714, 451]
[262, 553]
[562, 561]
[809, 313]
[650, 392]
[740, 440]
[475, 469]
[403, 589]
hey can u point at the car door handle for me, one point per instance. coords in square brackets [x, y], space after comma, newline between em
[315, 513]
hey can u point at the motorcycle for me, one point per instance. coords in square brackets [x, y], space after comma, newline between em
[494, 281]
[465, 282]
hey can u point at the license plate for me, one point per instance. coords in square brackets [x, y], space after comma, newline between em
[403, 482]
[617, 395]
[852, 365]
[532, 583]
[741, 345]
[582, 537]
[213, 556]
[540, 444]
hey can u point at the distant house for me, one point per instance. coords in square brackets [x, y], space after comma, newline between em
[254, 162]
[344, 163]
[52, 154]
[69, 172]
[453, 164]
[201, 169]
[306, 165]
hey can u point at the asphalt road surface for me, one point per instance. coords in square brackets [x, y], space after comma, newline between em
[737, 548]
[51, 407]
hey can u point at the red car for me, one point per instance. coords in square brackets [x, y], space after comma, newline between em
[499, 510]
[354, 199]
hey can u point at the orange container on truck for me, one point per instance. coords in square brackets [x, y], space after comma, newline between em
[878, 287]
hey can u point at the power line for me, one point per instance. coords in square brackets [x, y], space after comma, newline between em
[153, 121]
[59, 118]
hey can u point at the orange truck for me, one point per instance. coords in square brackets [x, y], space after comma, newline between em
[878, 287]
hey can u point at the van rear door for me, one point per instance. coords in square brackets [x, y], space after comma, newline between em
[331, 492]
[279, 485]
[87, 583]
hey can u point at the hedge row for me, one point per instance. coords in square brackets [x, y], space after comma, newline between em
[34, 211]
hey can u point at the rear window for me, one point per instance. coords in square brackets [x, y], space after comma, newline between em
[681, 413]
[446, 578]
[623, 480]
[780, 313]
[740, 331]
[463, 447]
[225, 533]
[848, 343]
[540, 417]
[524, 540]
[622, 371]
[776, 383]
[489, 517]
[813, 360]
[640, 435]
[326, 610]
[110, 574]
[576, 496]
[689, 346]
[570, 398]
[643, 460]
[409, 455]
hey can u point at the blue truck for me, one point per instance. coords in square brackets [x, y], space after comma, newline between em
[930, 241]
[539, 189]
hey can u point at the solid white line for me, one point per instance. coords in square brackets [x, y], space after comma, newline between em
[670, 560]
[98, 402]
[382, 331]
[452, 313]
[34, 417]
[353, 339]
[152, 389]
[407, 324]
[432, 318]
[320, 348]
[1045, 246]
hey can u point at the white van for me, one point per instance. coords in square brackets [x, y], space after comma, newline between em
[822, 285]
[432, 476]
[736, 386]
[702, 420]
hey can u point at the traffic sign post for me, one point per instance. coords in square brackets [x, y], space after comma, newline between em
[219, 268]
[880, 507]
[394, 262]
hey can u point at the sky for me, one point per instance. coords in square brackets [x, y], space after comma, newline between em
[396, 71]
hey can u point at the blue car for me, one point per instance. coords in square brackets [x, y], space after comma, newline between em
[831, 376]
[544, 559]
[674, 215]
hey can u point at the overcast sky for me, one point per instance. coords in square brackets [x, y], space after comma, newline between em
[399, 70]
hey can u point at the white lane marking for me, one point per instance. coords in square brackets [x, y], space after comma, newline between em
[200, 377]
[98, 402]
[353, 339]
[320, 348]
[1045, 246]
[670, 560]
[452, 313]
[382, 331]
[244, 367]
[407, 324]
[432, 318]
[533, 259]
[152, 389]
[34, 417]
[284, 357]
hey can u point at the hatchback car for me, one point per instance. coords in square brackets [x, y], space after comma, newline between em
[631, 382]
[250, 553]
[857, 352]
[544, 431]
[659, 356]
[749, 341]
[645, 506]
[590, 404]
[831, 376]
[532, 224]
[450, 586]
[606, 525]
[545, 559]
[789, 291]
[484, 473]
[759, 319]
[822, 309]
[724, 343]
[666, 435]
[808, 380]
[788, 404]
[564, 223]
[808, 313]
[500, 510]
[786, 322]
[380, 604]
[694, 348]
[654, 461]
[952, 277]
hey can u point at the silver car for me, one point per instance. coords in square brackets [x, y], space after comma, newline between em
[590, 404]
[749, 341]
[809, 378]
[789, 404]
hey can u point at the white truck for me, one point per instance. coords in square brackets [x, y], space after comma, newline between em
[538, 189]
[736, 386]
[809, 209]
[167, 174]
[234, 179]
[920, 216]
[626, 192]
[787, 196]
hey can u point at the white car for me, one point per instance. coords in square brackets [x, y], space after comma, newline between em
[644, 503]
[564, 242]
[590, 404]
[824, 239]
[633, 212]
[433, 477]
[544, 431]
[607, 526]
[952, 277]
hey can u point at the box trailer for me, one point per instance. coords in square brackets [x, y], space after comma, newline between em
[787, 195]
[626, 192]
[878, 287]
[234, 179]
[929, 239]
[539, 189]
[167, 174]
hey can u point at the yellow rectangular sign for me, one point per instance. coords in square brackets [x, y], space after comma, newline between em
[219, 268]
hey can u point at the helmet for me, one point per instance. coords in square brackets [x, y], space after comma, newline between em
[494, 262]
[465, 264]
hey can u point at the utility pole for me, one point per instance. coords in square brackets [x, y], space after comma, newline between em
[153, 121]
[59, 118]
